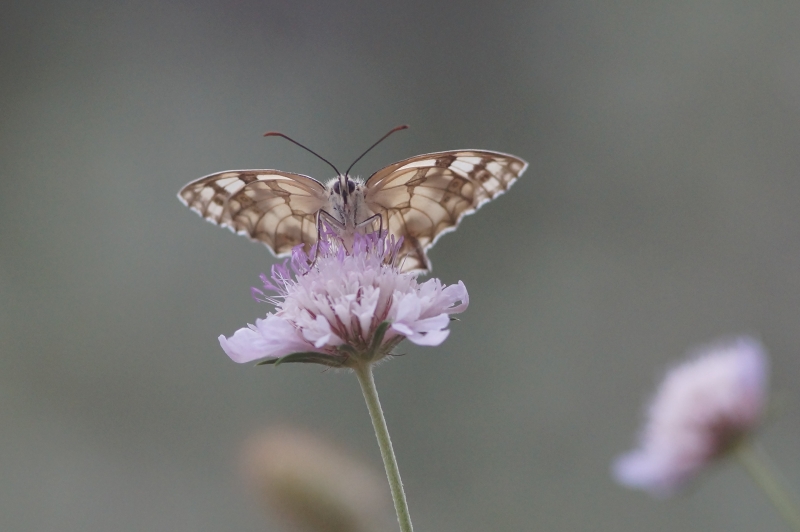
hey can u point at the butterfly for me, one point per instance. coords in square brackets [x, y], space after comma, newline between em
[419, 198]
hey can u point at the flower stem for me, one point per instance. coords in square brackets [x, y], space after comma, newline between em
[364, 374]
[757, 464]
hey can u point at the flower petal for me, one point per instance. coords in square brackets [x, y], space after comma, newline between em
[455, 293]
[430, 338]
[269, 338]
[428, 331]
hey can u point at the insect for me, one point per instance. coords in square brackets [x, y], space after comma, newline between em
[420, 199]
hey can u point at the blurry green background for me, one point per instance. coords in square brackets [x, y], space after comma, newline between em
[661, 209]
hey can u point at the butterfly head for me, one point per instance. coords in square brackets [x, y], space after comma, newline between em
[346, 199]
[344, 187]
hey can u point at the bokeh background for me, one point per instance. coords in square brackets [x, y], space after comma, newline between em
[661, 210]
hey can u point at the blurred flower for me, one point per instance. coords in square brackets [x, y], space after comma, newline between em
[701, 410]
[314, 486]
[344, 306]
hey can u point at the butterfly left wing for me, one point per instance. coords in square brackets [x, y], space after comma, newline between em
[276, 208]
[423, 197]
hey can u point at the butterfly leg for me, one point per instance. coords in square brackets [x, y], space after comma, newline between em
[370, 221]
[315, 247]
[331, 220]
[342, 230]
[336, 225]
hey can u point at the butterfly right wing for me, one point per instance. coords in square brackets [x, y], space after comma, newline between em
[423, 197]
[276, 208]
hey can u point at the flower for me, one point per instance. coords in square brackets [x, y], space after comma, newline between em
[345, 306]
[312, 484]
[702, 409]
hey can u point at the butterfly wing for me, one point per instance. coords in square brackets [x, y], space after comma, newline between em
[423, 197]
[276, 208]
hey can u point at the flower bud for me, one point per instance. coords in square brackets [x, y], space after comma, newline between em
[313, 486]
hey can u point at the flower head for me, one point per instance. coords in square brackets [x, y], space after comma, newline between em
[312, 484]
[345, 306]
[701, 410]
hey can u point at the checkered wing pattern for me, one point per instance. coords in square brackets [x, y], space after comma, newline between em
[426, 196]
[276, 208]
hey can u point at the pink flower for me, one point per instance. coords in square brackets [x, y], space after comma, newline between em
[344, 306]
[702, 408]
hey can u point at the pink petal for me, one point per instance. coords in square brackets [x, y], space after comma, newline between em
[272, 337]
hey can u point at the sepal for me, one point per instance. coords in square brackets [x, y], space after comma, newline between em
[306, 357]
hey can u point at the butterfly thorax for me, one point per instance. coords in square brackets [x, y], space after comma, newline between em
[346, 206]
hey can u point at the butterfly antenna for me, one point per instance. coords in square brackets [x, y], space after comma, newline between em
[276, 134]
[398, 128]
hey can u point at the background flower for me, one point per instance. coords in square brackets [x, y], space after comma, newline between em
[701, 409]
[313, 485]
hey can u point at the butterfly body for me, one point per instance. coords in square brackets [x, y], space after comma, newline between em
[347, 210]
[420, 199]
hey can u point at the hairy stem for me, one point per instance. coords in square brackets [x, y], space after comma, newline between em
[364, 373]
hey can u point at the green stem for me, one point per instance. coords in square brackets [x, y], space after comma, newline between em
[364, 374]
[758, 465]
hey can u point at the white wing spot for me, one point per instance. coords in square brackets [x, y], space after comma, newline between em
[214, 210]
[463, 166]
[417, 164]
[494, 167]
